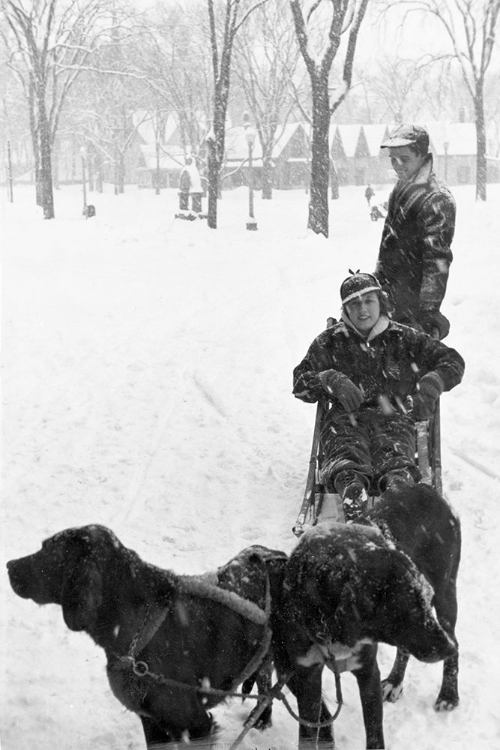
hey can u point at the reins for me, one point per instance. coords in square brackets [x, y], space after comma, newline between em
[200, 588]
[154, 618]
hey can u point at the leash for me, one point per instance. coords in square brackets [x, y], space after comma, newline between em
[276, 692]
[151, 623]
[154, 618]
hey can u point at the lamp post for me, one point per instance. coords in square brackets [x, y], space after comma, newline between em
[83, 155]
[446, 145]
[10, 191]
[250, 138]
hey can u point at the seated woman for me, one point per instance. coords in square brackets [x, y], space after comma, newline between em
[380, 377]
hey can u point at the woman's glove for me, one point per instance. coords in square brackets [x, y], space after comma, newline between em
[339, 386]
[429, 389]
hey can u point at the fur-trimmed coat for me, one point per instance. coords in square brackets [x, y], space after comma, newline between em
[415, 256]
[386, 366]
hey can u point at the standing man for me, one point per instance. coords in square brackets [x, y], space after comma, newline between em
[415, 256]
[185, 185]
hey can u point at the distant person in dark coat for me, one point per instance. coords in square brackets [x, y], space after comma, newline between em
[185, 185]
[369, 193]
[380, 377]
[415, 256]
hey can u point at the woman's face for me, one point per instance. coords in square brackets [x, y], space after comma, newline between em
[364, 311]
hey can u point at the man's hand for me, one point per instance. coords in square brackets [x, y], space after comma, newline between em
[429, 389]
[431, 321]
[338, 385]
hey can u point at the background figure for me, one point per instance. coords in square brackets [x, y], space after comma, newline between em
[190, 185]
[185, 185]
[369, 193]
[415, 256]
[196, 189]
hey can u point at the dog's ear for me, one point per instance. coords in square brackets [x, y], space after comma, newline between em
[82, 595]
[347, 616]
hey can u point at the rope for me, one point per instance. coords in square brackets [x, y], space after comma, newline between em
[198, 586]
[146, 632]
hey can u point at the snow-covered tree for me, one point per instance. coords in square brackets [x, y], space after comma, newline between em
[266, 56]
[49, 42]
[225, 18]
[470, 27]
[320, 26]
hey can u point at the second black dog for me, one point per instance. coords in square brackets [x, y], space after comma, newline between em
[349, 586]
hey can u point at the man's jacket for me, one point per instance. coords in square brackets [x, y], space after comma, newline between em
[415, 255]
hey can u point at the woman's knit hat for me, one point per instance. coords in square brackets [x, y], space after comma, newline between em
[358, 284]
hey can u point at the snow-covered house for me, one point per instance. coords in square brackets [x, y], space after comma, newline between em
[354, 149]
[343, 144]
[454, 147]
[290, 158]
[162, 156]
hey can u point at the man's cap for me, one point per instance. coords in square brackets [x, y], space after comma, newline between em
[408, 135]
[358, 284]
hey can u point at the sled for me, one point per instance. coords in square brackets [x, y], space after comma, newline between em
[317, 502]
[378, 211]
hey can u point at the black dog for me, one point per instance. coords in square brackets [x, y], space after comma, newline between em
[423, 526]
[348, 586]
[171, 641]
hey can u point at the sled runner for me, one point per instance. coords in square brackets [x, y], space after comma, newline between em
[316, 500]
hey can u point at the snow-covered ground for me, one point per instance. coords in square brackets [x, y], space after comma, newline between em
[147, 386]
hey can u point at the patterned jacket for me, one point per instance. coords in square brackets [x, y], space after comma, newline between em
[415, 255]
[386, 367]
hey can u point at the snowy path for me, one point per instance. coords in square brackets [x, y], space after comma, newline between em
[147, 386]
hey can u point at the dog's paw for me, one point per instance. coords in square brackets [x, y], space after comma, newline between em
[390, 692]
[263, 722]
[446, 703]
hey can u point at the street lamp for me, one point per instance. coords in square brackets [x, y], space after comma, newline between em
[250, 138]
[83, 155]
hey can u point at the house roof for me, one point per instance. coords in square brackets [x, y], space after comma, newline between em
[460, 137]
[375, 135]
[351, 140]
[237, 147]
[349, 136]
[286, 135]
[170, 158]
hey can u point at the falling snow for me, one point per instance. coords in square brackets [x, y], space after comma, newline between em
[147, 387]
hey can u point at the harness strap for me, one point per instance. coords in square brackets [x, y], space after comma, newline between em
[199, 586]
[155, 616]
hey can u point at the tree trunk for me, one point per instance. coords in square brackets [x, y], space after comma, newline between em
[481, 166]
[45, 160]
[216, 149]
[157, 186]
[320, 161]
[213, 184]
[121, 174]
[334, 182]
[35, 141]
[267, 177]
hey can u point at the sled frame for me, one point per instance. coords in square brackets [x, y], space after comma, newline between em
[428, 456]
